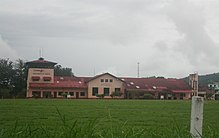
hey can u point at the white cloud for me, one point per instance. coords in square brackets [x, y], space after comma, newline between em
[6, 51]
[168, 37]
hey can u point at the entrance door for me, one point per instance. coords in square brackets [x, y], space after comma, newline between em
[77, 95]
[46, 94]
[55, 94]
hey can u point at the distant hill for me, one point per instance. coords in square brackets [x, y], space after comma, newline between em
[204, 80]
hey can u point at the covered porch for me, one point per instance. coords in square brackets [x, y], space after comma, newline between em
[57, 93]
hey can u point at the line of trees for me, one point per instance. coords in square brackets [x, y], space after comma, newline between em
[13, 76]
[60, 71]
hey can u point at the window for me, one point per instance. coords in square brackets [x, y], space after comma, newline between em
[36, 93]
[111, 80]
[60, 93]
[106, 91]
[141, 94]
[117, 89]
[94, 91]
[82, 93]
[102, 80]
[106, 80]
[35, 78]
[71, 93]
[47, 78]
[47, 94]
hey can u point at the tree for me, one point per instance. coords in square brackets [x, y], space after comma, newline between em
[116, 94]
[101, 96]
[7, 74]
[64, 94]
[148, 96]
[60, 71]
[20, 78]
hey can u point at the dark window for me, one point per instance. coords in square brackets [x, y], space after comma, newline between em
[102, 80]
[106, 91]
[35, 78]
[46, 94]
[47, 78]
[71, 93]
[182, 95]
[94, 91]
[141, 94]
[82, 93]
[60, 93]
[36, 93]
[111, 80]
[117, 89]
[106, 80]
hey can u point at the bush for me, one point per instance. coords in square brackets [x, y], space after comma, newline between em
[116, 94]
[148, 96]
[5, 93]
[64, 95]
[101, 96]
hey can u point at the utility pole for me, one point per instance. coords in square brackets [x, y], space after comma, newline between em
[197, 109]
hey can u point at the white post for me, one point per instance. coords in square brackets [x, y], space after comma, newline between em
[197, 116]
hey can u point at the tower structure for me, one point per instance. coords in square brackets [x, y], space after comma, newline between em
[193, 82]
[39, 71]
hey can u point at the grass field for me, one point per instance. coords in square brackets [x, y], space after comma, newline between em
[102, 118]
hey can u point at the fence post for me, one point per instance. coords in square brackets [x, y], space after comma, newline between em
[196, 116]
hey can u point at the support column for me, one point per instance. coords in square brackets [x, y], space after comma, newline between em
[41, 94]
[52, 94]
[197, 116]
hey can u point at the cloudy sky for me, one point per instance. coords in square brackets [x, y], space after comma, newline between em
[170, 38]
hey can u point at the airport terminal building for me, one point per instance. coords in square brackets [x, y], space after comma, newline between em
[42, 83]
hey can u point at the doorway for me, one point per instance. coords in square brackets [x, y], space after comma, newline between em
[55, 94]
[77, 95]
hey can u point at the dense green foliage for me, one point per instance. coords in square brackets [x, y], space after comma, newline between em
[103, 118]
[6, 73]
[101, 96]
[116, 94]
[60, 71]
[12, 78]
[148, 96]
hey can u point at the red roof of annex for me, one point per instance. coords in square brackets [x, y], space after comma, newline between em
[149, 84]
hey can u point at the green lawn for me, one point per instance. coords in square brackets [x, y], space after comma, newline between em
[103, 118]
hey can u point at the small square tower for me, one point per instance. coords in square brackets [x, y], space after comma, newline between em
[193, 82]
[39, 71]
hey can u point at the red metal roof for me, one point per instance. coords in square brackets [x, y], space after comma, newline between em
[149, 84]
[63, 82]
[156, 84]
[182, 91]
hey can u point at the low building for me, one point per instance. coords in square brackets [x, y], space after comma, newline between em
[214, 89]
[42, 83]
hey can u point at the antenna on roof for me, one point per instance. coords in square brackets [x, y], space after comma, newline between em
[41, 52]
[138, 70]
[94, 72]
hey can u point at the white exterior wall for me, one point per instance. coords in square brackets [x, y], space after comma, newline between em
[38, 72]
[101, 85]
